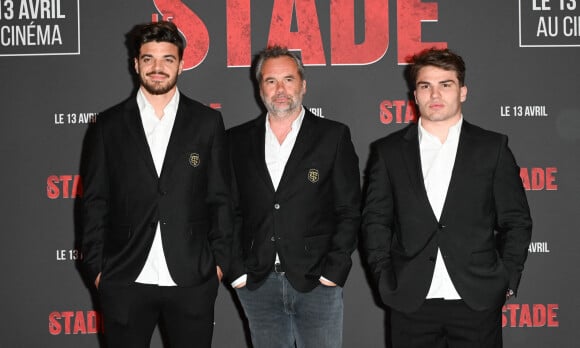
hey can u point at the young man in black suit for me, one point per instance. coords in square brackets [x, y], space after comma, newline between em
[298, 213]
[446, 223]
[157, 217]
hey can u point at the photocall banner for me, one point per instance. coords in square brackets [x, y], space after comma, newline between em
[63, 62]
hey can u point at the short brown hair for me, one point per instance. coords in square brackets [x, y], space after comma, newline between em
[441, 58]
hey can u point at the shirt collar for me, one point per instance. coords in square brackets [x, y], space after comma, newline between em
[295, 124]
[452, 134]
[169, 109]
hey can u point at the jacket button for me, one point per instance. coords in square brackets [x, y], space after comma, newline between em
[276, 206]
[273, 239]
[432, 258]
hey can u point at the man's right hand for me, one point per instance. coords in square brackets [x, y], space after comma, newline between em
[98, 280]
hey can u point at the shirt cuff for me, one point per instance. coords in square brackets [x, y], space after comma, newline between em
[326, 279]
[242, 279]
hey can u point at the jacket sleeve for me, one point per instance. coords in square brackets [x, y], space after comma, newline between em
[219, 198]
[347, 200]
[237, 265]
[378, 215]
[514, 223]
[95, 201]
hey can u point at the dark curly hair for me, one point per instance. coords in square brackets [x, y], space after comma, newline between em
[162, 31]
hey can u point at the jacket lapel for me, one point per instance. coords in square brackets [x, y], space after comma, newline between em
[258, 141]
[460, 165]
[411, 154]
[135, 129]
[304, 141]
[412, 157]
[178, 134]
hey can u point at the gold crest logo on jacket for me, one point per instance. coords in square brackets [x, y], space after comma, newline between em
[313, 175]
[194, 159]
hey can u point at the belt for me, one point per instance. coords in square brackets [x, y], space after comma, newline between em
[278, 268]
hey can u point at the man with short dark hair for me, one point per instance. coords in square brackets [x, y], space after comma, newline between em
[446, 223]
[156, 210]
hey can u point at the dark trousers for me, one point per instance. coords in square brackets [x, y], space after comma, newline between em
[130, 314]
[442, 324]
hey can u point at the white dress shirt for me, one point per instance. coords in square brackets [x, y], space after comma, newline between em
[437, 160]
[277, 155]
[158, 132]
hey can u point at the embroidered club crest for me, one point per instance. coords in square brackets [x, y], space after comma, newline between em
[194, 159]
[313, 175]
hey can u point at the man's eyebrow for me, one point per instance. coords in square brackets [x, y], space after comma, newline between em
[440, 82]
[148, 55]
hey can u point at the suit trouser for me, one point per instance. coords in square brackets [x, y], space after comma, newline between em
[131, 312]
[446, 323]
[282, 317]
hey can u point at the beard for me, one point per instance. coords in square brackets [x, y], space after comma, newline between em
[282, 110]
[158, 88]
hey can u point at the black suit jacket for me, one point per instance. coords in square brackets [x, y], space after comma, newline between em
[124, 198]
[311, 220]
[483, 232]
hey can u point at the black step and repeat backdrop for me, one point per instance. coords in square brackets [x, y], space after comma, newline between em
[64, 61]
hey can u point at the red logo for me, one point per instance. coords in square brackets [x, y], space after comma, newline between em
[307, 36]
[64, 186]
[75, 323]
[530, 315]
[398, 111]
[537, 178]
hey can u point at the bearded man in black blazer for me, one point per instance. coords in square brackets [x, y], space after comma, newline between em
[157, 215]
[298, 213]
[446, 223]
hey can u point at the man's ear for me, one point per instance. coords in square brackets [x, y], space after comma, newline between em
[180, 67]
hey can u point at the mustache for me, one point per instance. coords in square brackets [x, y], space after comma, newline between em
[157, 73]
[283, 95]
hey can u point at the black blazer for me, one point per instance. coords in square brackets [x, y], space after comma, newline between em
[484, 230]
[311, 220]
[124, 198]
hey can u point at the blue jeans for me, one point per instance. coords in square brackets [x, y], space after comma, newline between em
[281, 317]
